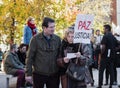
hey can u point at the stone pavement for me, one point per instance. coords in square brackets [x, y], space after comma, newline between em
[95, 74]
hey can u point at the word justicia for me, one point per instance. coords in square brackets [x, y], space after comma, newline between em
[83, 35]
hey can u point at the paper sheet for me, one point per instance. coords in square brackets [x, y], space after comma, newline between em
[71, 55]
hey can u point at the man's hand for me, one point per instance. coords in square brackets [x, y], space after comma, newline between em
[78, 54]
[66, 60]
[29, 79]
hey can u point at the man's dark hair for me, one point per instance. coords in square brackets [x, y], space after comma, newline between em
[22, 45]
[13, 46]
[47, 20]
[108, 27]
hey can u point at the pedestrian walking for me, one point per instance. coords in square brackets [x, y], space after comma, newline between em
[42, 57]
[109, 44]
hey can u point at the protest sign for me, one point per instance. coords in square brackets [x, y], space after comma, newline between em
[83, 32]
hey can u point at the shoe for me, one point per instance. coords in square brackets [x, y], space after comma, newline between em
[28, 84]
[105, 84]
[118, 86]
[99, 87]
[92, 84]
[110, 86]
[115, 83]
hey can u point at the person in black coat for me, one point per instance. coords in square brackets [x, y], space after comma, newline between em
[22, 53]
[82, 52]
[108, 45]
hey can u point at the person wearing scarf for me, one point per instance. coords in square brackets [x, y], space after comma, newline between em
[30, 30]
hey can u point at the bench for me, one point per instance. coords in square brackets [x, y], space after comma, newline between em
[7, 76]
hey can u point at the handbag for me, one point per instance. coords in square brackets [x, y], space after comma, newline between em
[79, 71]
[76, 72]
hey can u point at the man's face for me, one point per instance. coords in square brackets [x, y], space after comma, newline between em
[16, 48]
[98, 33]
[50, 29]
[23, 49]
[104, 30]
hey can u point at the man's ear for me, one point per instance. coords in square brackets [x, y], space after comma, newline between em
[43, 27]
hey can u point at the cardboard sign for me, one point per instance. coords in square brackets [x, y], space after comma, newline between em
[83, 32]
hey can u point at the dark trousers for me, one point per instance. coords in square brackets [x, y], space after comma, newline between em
[20, 78]
[103, 64]
[115, 74]
[51, 81]
[91, 72]
[107, 74]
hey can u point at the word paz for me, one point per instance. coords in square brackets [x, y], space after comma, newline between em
[84, 25]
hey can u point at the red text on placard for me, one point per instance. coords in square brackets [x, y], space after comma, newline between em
[84, 25]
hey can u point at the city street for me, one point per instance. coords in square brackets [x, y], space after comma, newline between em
[95, 73]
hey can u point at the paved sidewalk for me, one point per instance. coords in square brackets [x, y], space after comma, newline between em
[95, 74]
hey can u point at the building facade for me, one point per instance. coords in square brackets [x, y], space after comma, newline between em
[115, 16]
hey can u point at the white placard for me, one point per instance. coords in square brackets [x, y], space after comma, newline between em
[82, 36]
[71, 55]
[118, 38]
[82, 28]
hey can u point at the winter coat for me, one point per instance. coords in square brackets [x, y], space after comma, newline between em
[73, 48]
[27, 35]
[12, 63]
[42, 55]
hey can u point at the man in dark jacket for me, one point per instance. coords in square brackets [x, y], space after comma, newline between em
[109, 44]
[42, 55]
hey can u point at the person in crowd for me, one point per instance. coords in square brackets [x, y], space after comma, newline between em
[13, 66]
[68, 46]
[22, 53]
[115, 65]
[117, 62]
[30, 30]
[109, 44]
[1, 55]
[92, 63]
[118, 56]
[42, 55]
[97, 46]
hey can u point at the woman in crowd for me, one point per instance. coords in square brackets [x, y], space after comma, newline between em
[30, 30]
[83, 54]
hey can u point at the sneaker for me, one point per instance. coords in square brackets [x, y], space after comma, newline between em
[115, 83]
[99, 87]
[92, 84]
[110, 86]
[105, 84]
[28, 84]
